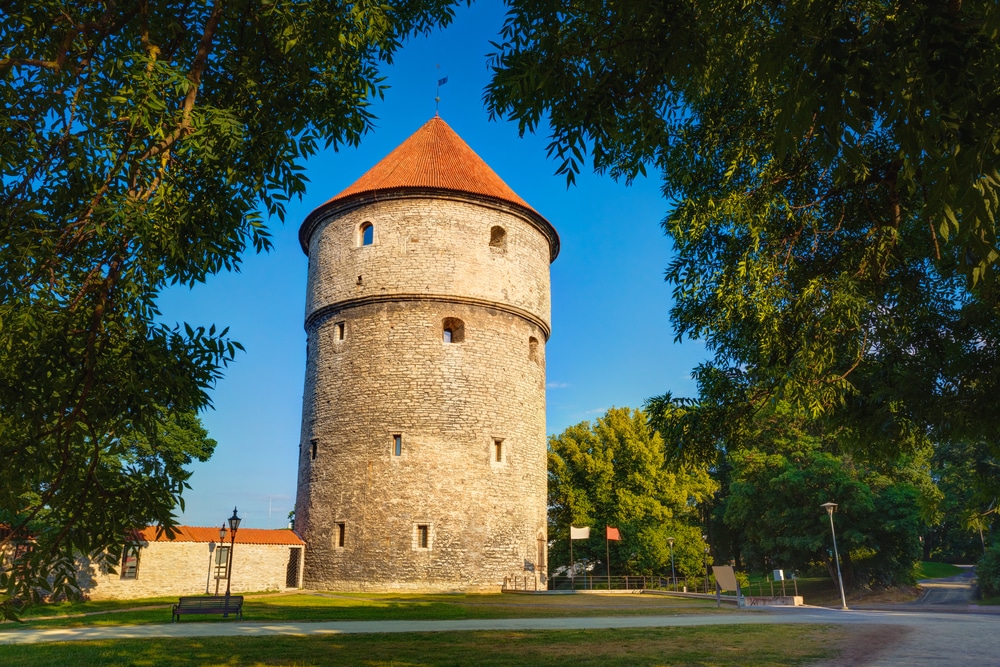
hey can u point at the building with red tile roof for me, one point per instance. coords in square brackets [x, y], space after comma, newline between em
[193, 561]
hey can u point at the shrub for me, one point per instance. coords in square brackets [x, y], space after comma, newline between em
[988, 571]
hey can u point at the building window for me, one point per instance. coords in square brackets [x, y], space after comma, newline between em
[314, 442]
[397, 445]
[498, 451]
[366, 234]
[338, 330]
[341, 529]
[423, 536]
[454, 330]
[130, 562]
[533, 349]
[498, 239]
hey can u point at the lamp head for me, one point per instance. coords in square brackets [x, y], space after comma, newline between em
[222, 533]
[234, 522]
[671, 541]
[829, 507]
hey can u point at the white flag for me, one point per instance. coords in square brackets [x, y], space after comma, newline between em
[579, 533]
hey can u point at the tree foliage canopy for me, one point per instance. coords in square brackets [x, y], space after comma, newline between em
[142, 144]
[832, 171]
[775, 499]
[612, 473]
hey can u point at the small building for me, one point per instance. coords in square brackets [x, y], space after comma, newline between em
[194, 562]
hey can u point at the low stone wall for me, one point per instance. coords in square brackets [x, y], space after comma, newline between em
[773, 601]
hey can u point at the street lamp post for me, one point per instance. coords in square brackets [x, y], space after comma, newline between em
[673, 573]
[234, 524]
[706, 569]
[829, 507]
[222, 540]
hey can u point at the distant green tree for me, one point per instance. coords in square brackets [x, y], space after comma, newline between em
[968, 473]
[780, 467]
[832, 175]
[775, 499]
[612, 473]
[142, 144]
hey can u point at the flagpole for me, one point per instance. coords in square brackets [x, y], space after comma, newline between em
[607, 551]
[572, 563]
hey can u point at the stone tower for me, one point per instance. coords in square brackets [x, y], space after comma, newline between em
[422, 463]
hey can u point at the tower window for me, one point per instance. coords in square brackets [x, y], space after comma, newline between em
[453, 330]
[498, 239]
[313, 442]
[533, 349]
[366, 234]
[339, 330]
[498, 451]
[423, 536]
[341, 529]
[397, 445]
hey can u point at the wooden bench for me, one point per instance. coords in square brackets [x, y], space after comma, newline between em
[208, 604]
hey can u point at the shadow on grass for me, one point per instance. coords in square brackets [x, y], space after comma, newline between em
[348, 607]
[722, 646]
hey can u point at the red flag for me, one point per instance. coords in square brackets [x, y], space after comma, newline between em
[613, 533]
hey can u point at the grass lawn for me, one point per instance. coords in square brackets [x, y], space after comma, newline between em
[373, 607]
[722, 646]
[929, 570]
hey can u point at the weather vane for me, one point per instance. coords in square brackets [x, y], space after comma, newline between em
[437, 96]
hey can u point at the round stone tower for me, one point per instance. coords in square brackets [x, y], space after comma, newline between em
[422, 463]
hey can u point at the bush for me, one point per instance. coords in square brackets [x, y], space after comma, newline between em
[988, 571]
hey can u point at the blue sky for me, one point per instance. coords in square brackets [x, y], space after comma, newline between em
[611, 344]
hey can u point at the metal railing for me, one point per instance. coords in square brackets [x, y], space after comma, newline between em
[598, 582]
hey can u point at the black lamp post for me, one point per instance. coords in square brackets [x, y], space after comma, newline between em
[706, 568]
[234, 524]
[222, 540]
[673, 573]
[829, 507]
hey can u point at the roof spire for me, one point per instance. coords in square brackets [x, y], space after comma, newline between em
[437, 96]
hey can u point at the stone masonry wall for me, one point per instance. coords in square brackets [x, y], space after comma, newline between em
[378, 369]
[187, 568]
[429, 246]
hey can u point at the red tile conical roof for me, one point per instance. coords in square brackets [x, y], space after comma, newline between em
[437, 158]
[432, 161]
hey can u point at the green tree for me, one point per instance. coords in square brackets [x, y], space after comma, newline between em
[777, 471]
[612, 473]
[775, 499]
[967, 473]
[832, 171]
[142, 144]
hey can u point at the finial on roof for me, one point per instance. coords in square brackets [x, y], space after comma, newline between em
[437, 97]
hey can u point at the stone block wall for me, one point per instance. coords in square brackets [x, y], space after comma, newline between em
[378, 367]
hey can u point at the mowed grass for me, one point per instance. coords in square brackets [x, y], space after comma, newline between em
[372, 607]
[722, 646]
[929, 570]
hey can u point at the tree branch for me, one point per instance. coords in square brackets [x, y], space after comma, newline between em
[194, 76]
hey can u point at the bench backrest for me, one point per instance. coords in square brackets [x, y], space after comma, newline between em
[210, 601]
